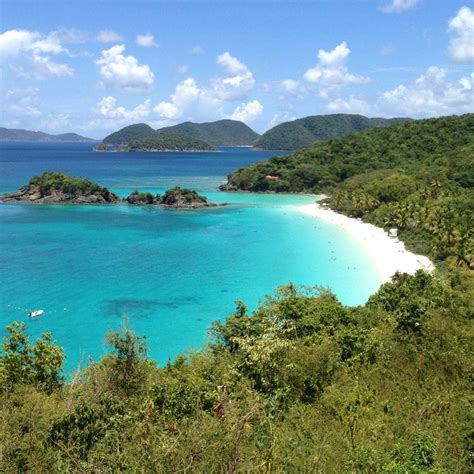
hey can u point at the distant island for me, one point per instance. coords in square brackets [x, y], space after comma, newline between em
[306, 131]
[190, 136]
[168, 142]
[20, 135]
[187, 136]
[219, 133]
[58, 188]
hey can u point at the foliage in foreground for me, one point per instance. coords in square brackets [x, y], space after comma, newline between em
[304, 384]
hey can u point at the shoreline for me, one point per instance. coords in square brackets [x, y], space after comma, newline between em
[388, 253]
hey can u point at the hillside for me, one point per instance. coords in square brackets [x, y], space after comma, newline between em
[220, 133]
[417, 146]
[304, 132]
[10, 134]
[303, 383]
[169, 142]
[128, 134]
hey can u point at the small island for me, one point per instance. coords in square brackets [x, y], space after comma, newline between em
[142, 138]
[167, 142]
[54, 187]
[58, 188]
[175, 198]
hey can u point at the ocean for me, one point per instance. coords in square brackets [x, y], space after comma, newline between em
[169, 273]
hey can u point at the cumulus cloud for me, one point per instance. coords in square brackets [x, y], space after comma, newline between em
[107, 107]
[399, 6]
[461, 45]
[188, 98]
[431, 94]
[237, 84]
[32, 51]
[208, 101]
[247, 112]
[124, 72]
[147, 41]
[331, 70]
[108, 36]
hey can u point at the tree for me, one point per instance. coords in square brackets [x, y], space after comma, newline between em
[129, 353]
[22, 363]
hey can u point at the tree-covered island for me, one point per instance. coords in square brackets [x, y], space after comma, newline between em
[58, 188]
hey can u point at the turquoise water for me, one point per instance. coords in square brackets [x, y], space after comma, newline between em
[170, 272]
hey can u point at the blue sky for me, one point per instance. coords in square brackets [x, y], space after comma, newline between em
[95, 66]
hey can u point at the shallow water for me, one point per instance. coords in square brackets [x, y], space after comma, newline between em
[170, 272]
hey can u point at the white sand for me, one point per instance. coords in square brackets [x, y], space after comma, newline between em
[388, 253]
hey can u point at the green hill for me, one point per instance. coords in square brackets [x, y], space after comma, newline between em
[169, 142]
[127, 134]
[220, 133]
[304, 132]
[417, 146]
[21, 135]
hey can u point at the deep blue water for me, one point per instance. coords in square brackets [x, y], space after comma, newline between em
[171, 273]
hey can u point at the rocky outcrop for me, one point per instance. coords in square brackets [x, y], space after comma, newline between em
[184, 199]
[37, 195]
[175, 198]
[228, 187]
[139, 199]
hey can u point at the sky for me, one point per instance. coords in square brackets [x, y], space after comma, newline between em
[92, 67]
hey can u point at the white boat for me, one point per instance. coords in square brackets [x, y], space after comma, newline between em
[33, 314]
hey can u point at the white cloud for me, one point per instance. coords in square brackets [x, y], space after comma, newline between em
[247, 112]
[431, 95]
[196, 49]
[108, 36]
[31, 51]
[208, 102]
[352, 105]
[147, 41]
[291, 86]
[124, 72]
[238, 84]
[332, 71]
[399, 6]
[20, 103]
[183, 69]
[107, 107]
[188, 99]
[231, 64]
[461, 45]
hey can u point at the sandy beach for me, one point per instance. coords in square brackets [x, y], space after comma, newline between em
[388, 253]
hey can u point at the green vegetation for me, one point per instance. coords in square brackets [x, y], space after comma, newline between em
[220, 133]
[29, 136]
[168, 142]
[176, 195]
[54, 181]
[304, 384]
[137, 197]
[128, 134]
[415, 176]
[306, 131]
